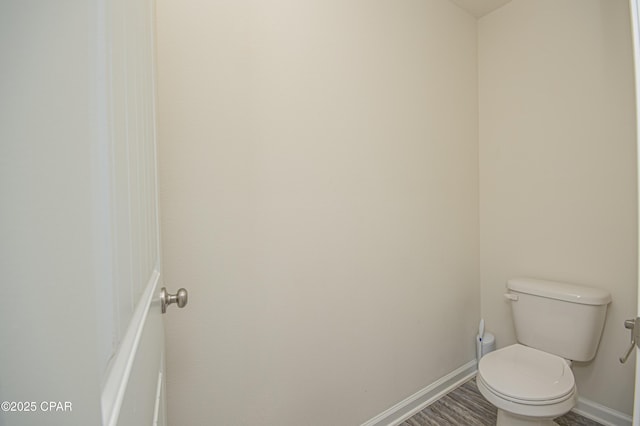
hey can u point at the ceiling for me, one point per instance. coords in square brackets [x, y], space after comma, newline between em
[480, 8]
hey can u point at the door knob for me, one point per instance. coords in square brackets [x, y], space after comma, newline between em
[181, 298]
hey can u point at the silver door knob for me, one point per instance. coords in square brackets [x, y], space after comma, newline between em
[181, 298]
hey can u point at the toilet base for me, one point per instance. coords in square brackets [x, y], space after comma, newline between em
[509, 419]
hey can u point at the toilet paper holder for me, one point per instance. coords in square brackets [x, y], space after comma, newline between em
[633, 325]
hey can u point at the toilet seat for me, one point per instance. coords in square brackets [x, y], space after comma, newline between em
[526, 375]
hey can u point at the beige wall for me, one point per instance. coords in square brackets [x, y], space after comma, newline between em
[319, 197]
[557, 166]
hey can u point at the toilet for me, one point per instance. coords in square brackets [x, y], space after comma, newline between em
[531, 382]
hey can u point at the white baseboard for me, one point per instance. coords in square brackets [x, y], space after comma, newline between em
[601, 414]
[424, 397]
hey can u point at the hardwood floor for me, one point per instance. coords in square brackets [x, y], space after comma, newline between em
[466, 406]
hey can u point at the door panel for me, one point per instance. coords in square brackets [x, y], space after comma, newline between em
[131, 126]
[136, 375]
[130, 392]
[49, 221]
[140, 406]
[80, 320]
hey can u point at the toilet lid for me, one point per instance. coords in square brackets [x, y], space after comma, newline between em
[527, 374]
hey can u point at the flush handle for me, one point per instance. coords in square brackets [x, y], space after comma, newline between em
[511, 296]
[634, 326]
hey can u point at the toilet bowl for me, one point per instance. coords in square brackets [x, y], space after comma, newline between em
[528, 386]
[531, 382]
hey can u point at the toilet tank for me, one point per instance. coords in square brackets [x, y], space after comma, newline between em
[559, 318]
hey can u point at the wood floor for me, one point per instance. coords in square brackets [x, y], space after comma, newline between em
[466, 406]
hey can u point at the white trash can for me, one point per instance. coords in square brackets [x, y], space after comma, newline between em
[486, 345]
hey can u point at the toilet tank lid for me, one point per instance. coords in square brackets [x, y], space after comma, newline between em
[561, 291]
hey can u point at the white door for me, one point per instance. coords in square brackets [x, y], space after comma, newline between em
[81, 330]
[635, 23]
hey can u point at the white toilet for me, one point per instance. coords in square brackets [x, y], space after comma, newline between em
[531, 382]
